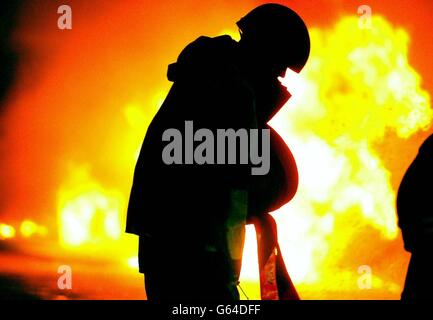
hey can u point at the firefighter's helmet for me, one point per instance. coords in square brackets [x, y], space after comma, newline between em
[280, 31]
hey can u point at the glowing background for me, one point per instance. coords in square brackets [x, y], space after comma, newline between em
[77, 113]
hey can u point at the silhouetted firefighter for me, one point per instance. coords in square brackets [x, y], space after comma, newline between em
[414, 207]
[190, 218]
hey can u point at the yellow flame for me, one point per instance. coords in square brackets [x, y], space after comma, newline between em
[6, 231]
[357, 85]
[29, 228]
[138, 120]
[234, 34]
[88, 214]
[132, 262]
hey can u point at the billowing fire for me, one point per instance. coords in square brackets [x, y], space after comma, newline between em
[88, 214]
[356, 90]
[356, 86]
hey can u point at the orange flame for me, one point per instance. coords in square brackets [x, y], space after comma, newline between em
[356, 86]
